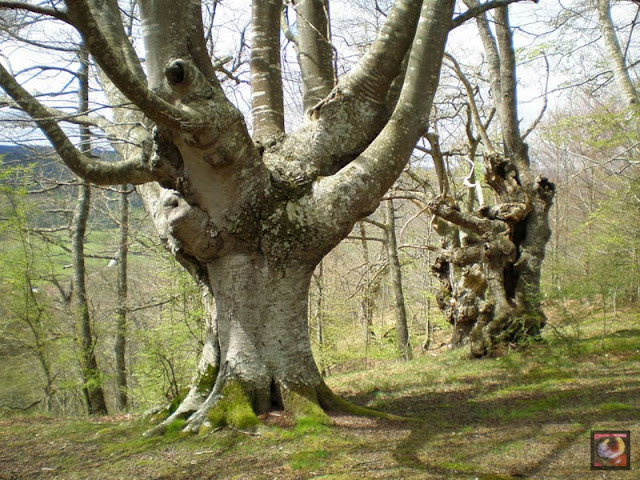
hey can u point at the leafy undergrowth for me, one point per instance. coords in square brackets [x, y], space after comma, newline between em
[527, 414]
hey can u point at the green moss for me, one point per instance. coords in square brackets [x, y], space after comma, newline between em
[332, 401]
[611, 407]
[174, 429]
[234, 408]
[458, 467]
[303, 405]
[207, 379]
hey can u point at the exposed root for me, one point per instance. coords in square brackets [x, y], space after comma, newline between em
[232, 409]
[303, 404]
[231, 403]
[332, 402]
[192, 403]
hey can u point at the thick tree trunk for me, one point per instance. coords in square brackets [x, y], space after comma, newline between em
[498, 298]
[265, 358]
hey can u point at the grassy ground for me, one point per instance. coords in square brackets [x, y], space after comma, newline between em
[527, 414]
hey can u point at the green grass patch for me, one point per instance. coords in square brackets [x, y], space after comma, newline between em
[612, 407]
[309, 460]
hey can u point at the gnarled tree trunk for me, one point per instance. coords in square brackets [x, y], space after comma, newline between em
[492, 278]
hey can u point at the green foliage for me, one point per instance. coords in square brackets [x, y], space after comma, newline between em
[597, 251]
[167, 345]
[27, 319]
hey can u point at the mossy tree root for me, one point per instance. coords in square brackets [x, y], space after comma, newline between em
[232, 403]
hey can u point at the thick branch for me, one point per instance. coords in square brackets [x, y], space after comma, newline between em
[266, 77]
[508, 101]
[104, 35]
[315, 52]
[357, 189]
[439, 207]
[614, 53]
[96, 171]
[382, 63]
[344, 124]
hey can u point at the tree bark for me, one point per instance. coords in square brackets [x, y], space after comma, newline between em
[266, 77]
[315, 52]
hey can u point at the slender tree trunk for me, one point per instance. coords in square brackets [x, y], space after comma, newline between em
[122, 397]
[92, 388]
[320, 304]
[402, 329]
[367, 302]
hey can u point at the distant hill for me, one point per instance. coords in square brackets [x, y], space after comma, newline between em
[46, 161]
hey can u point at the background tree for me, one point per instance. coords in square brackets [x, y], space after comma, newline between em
[92, 388]
[509, 238]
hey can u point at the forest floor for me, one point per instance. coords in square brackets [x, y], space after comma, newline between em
[526, 414]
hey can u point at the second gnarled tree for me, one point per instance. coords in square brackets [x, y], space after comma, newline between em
[491, 275]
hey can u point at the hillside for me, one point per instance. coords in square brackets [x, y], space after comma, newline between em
[524, 415]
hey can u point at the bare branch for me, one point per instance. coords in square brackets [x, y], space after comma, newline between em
[481, 8]
[545, 102]
[472, 103]
[40, 10]
[91, 169]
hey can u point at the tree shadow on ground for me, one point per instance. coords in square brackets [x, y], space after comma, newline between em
[497, 427]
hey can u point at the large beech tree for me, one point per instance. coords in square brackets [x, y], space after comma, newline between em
[250, 215]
